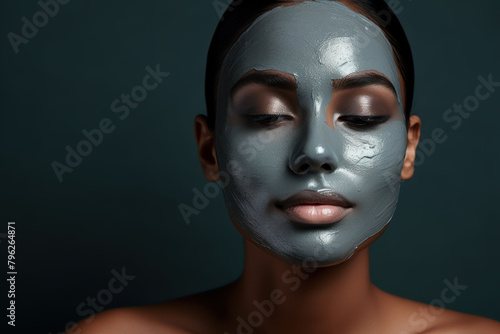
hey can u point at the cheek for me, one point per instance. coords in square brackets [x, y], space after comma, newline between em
[257, 161]
[376, 158]
[262, 155]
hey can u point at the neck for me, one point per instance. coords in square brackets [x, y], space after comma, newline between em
[300, 299]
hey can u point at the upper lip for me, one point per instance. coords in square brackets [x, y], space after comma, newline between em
[310, 197]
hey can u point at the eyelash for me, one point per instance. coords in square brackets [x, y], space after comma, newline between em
[353, 121]
[267, 119]
[363, 122]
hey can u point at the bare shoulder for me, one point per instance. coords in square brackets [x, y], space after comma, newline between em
[192, 314]
[123, 320]
[461, 323]
[416, 317]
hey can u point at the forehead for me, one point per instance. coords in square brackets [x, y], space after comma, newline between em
[316, 42]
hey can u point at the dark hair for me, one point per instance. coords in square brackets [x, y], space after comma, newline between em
[242, 13]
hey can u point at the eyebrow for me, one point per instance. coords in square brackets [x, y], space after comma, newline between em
[363, 79]
[355, 80]
[266, 79]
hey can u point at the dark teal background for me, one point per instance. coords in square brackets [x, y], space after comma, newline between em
[119, 207]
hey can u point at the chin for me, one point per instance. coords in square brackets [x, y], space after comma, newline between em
[321, 251]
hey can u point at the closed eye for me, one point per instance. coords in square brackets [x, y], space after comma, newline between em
[267, 120]
[362, 122]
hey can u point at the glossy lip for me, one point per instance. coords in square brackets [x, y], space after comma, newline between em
[316, 208]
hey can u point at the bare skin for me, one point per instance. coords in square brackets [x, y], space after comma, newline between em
[334, 299]
[273, 296]
[337, 299]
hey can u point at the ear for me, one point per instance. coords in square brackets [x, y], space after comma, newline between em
[411, 147]
[206, 148]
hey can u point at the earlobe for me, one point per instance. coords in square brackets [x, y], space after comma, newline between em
[411, 149]
[205, 139]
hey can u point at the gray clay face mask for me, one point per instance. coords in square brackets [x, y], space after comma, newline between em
[313, 155]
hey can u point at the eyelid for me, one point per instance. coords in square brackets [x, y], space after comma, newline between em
[268, 121]
[255, 98]
[363, 122]
[365, 118]
[267, 117]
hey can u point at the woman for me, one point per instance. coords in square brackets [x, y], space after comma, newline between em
[309, 131]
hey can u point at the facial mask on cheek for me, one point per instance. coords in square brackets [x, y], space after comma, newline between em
[317, 42]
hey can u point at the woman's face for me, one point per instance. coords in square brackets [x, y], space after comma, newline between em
[310, 132]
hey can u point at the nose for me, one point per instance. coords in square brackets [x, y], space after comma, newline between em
[314, 153]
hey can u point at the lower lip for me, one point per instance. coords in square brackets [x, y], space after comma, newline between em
[317, 214]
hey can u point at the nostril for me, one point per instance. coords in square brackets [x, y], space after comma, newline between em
[303, 168]
[312, 164]
[327, 167]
